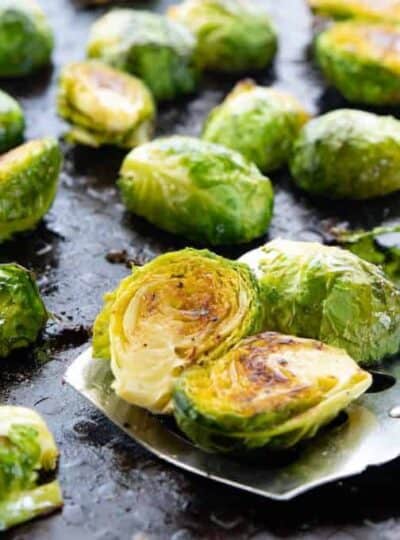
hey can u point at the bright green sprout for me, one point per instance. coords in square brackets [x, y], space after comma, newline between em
[181, 309]
[26, 38]
[330, 294]
[28, 184]
[269, 392]
[105, 106]
[148, 45]
[348, 154]
[260, 123]
[12, 122]
[362, 60]
[202, 191]
[27, 449]
[22, 311]
[233, 35]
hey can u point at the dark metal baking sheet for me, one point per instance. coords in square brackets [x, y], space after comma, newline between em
[113, 488]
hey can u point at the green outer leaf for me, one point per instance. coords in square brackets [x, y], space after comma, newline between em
[25, 506]
[364, 244]
[233, 36]
[22, 311]
[260, 123]
[12, 122]
[326, 293]
[361, 79]
[348, 154]
[200, 190]
[150, 46]
[353, 9]
[28, 185]
[26, 38]
[94, 120]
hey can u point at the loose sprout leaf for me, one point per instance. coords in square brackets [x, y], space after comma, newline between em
[269, 391]
[371, 10]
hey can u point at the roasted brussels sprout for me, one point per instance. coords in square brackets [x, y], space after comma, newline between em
[371, 10]
[12, 122]
[27, 449]
[269, 391]
[233, 35]
[105, 106]
[348, 154]
[362, 61]
[197, 189]
[260, 123]
[28, 184]
[327, 293]
[150, 46]
[181, 309]
[26, 39]
[380, 246]
[22, 312]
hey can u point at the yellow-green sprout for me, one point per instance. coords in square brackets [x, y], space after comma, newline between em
[232, 35]
[12, 122]
[260, 123]
[362, 60]
[105, 106]
[28, 184]
[326, 293]
[270, 391]
[202, 191]
[26, 38]
[370, 10]
[150, 46]
[27, 449]
[348, 154]
[181, 309]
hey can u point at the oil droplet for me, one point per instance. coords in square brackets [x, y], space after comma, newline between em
[395, 412]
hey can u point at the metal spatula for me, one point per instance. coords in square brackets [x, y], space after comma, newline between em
[368, 435]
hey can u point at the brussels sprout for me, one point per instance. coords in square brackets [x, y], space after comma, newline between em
[380, 246]
[348, 154]
[362, 61]
[269, 391]
[233, 35]
[26, 39]
[105, 106]
[22, 312]
[28, 184]
[327, 293]
[27, 449]
[371, 10]
[12, 122]
[260, 123]
[180, 309]
[150, 46]
[197, 189]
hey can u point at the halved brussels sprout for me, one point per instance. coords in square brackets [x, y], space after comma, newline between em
[181, 309]
[327, 293]
[27, 449]
[105, 106]
[348, 154]
[197, 189]
[260, 123]
[372, 10]
[28, 184]
[150, 46]
[269, 391]
[26, 38]
[233, 35]
[12, 122]
[380, 246]
[22, 311]
[362, 61]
